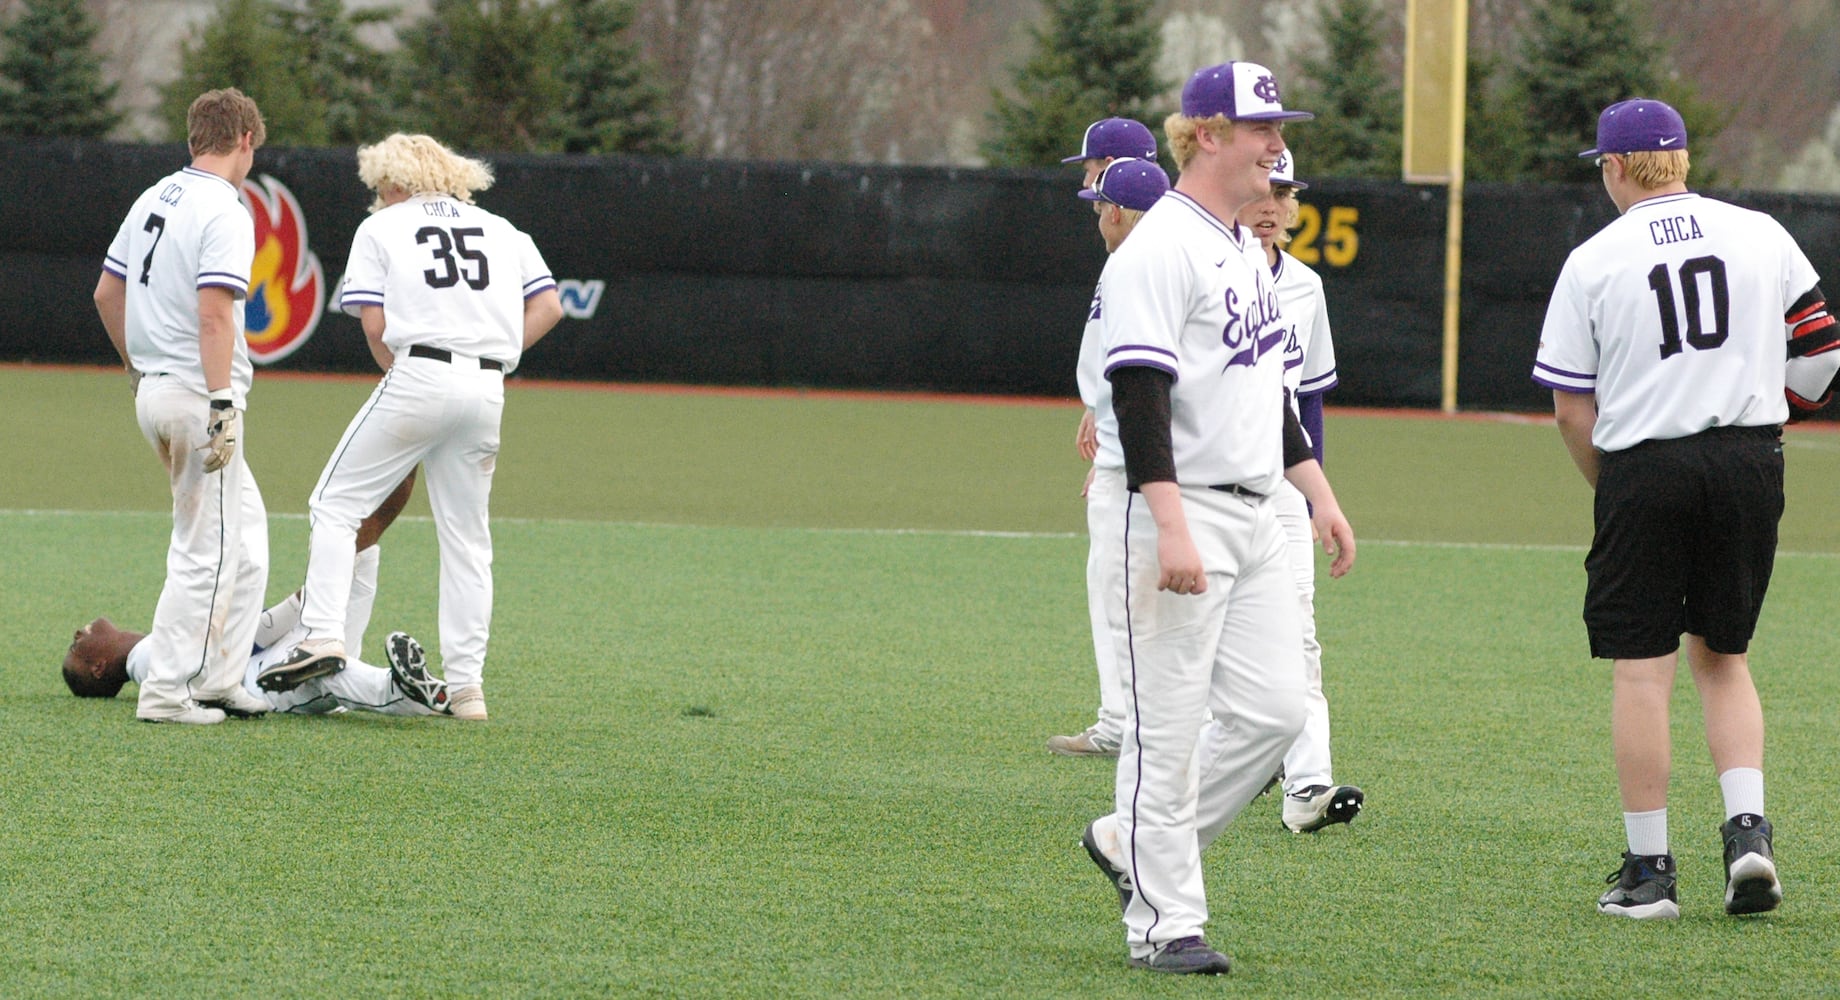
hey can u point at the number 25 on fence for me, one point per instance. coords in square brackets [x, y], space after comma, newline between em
[1329, 238]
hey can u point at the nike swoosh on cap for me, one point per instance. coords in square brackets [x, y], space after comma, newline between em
[1667, 140]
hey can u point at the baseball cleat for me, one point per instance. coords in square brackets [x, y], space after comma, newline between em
[189, 714]
[238, 704]
[409, 672]
[1310, 809]
[312, 658]
[467, 702]
[1186, 956]
[1090, 743]
[1121, 879]
[1751, 885]
[1643, 888]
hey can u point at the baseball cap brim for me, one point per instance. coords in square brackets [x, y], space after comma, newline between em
[1090, 195]
[1277, 116]
[1079, 157]
[1299, 185]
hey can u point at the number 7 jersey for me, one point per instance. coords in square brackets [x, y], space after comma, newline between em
[447, 274]
[1674, 315]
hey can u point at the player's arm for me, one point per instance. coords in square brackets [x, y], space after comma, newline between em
[1140, 399]
[1310, 416]
[371, 319]
[1577, 416]
[1303, 471]
[112, 305]
[542, 311]
[1813, 358]
[1086, 437]
[217, 335]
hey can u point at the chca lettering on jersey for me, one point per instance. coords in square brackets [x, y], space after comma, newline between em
[1245, 334]
[1674, 229]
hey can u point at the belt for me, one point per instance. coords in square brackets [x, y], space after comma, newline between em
[1238, 491]
[438, 354]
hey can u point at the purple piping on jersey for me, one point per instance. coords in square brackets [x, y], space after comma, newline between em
[1137, 788]
[1539, 365]
[118, 270]
[1141, 347]
[1168, 369]
[1230, 232]
[1319, 384]
[1562, 388]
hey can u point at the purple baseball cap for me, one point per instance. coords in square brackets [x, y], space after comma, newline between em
[1110, 138]
[1638, 126]
[1129, 182]
[1243, 91]
[1284, 173]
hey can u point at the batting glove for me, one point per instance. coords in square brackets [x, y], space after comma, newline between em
[224, 428]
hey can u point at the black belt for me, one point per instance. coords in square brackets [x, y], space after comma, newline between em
[1238, 491]
[437, 354]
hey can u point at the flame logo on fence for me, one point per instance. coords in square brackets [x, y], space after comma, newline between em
[286, 283]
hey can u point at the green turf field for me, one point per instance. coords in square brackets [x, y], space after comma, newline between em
[770, 681]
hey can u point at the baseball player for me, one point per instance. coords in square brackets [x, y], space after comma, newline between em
[1677, 341]
[1108, 139]
[450, 296]
[1120, 195]
[169, 297]
[1192, 331]
[102, 658]
[1312, 799]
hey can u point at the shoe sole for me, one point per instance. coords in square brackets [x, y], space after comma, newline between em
[1105, 868]
[1665, 909]
[1753, 886]
[1343, 807]
[1067, 750]
[287, 676]
[1212, 968]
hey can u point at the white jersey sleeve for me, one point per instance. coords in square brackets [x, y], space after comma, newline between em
[1309, 352]
[1096, 390]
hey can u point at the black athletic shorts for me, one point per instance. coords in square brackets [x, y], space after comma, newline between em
[1686, 539]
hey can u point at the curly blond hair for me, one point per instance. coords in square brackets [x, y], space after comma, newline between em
[1181, 131]
[1657, 168]
[419, 164]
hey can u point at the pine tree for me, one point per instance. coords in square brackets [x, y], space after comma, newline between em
[244, 46]
[1093, 59]
[50, 77]
[613, 104]
[483, 76]
[345, 79]
[1359, 108]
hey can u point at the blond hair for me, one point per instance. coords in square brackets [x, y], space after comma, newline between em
[217, 119]
[419, 164]
[1182, 130]
[1291, 217]
[1657, 168]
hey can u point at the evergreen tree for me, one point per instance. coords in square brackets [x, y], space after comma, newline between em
[346, 80]
[483, 75]
[1359, 108]
[50, 77]
[613, 104]
[1495, 142]
[1093, 59]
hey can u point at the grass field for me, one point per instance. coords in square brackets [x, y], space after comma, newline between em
[770, 679]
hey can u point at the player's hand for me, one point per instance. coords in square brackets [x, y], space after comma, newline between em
[224, 427]
[1086, 439]
[1337, 537]
[1086, 487]
[1180, 564]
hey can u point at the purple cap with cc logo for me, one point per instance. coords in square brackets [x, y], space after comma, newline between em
[1639, 126]
[1243, 91]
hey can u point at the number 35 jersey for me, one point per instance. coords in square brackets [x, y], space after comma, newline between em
[188, 232]
[1674, 316]
[447, 274]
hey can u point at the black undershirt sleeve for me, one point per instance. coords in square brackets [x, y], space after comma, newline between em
[1296, 443]
[1140, 398]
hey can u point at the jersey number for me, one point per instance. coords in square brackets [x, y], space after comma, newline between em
[453, 271]
[156, 224]
[1663, 286]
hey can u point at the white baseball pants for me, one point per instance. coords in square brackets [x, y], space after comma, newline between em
[1231, 653]
[216, 563]
[1105, 511]
[444, 416]
[1307, 763]
[359, 686]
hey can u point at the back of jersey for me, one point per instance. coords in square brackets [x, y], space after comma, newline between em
[188, 232]
[448, 275]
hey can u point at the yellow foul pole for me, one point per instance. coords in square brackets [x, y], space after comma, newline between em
[1437, 56]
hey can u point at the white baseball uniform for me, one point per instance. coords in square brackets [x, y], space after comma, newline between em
[452, 279]
[188, 232]
[359, 687]
[1309, 369]
[1718, 268]
[1190, 295]
[1104, 506]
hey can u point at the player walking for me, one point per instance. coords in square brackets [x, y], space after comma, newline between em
[1312, 799]
[450, 296]
[169, 297]
[1191, 329]
[1120, 195]
[1664, 345]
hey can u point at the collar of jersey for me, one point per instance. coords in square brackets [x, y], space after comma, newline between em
[195, 172]
[1230, 232]
[1666, 199]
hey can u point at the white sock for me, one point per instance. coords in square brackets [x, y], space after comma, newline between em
[1647, 832]
[1743, 788]
[278, 621]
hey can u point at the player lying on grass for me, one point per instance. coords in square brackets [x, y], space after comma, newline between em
[103, 658]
